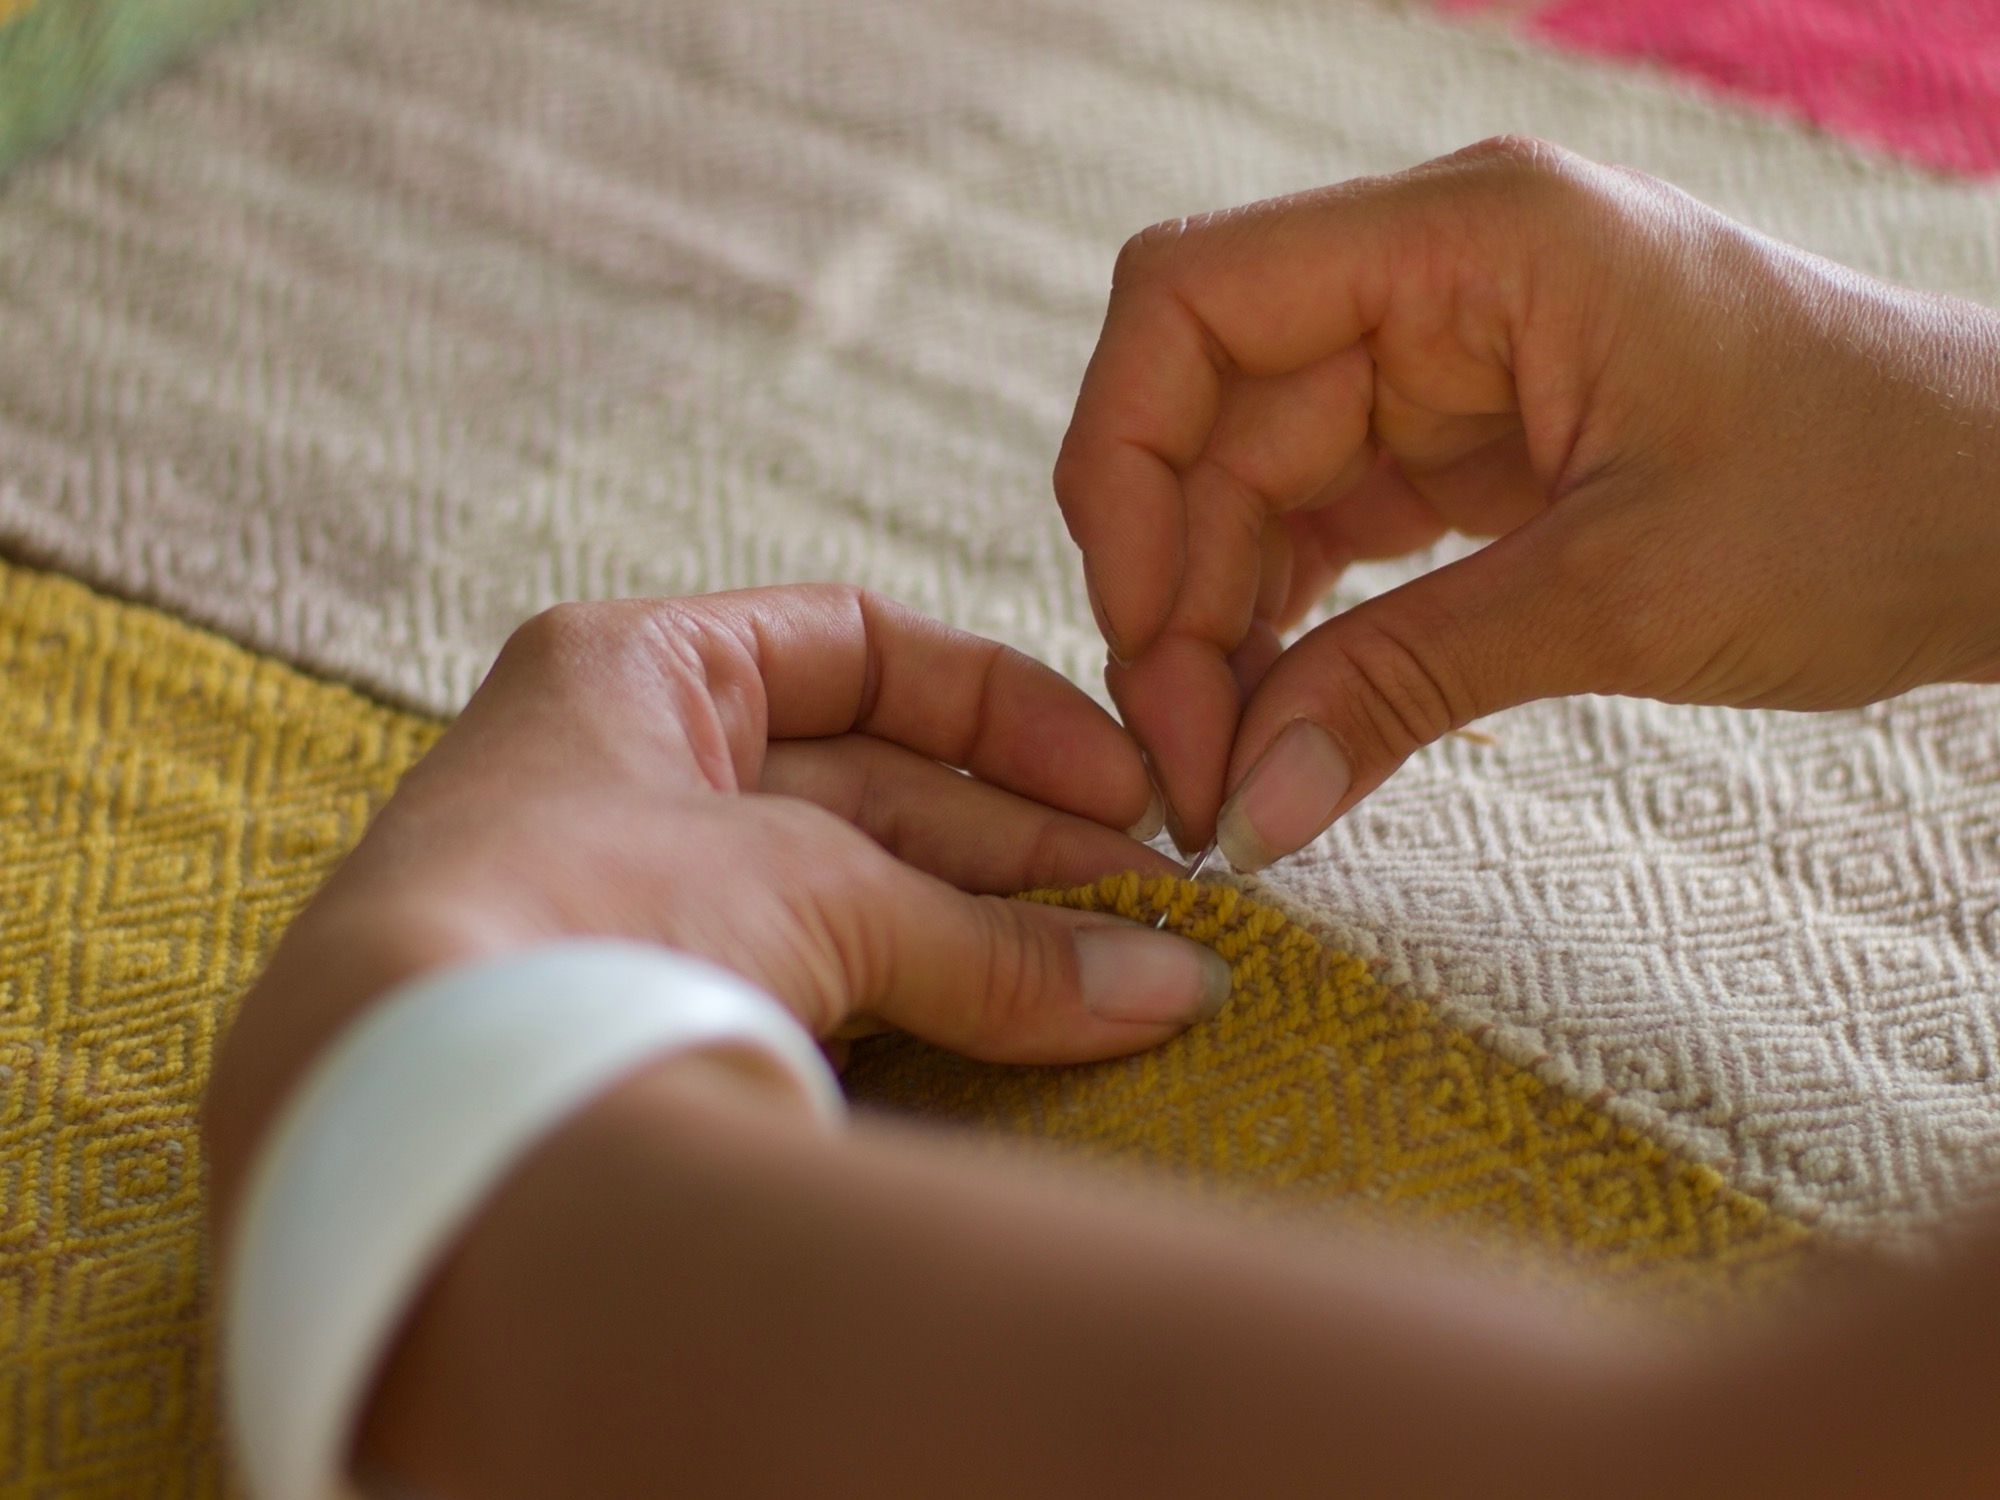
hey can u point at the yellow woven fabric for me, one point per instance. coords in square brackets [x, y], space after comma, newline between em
[1321, 1084]
[167, 801]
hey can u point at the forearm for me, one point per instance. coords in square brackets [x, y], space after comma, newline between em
[1881, 1382]
[334, 964]
[687, 1286]
[685, 1292]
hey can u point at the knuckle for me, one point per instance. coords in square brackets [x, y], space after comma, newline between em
[799, 825]
[833, 593]
[1135, 259]
[837, 947]
[1546, 179]
[1050, 849]
[665, 655]
[1070, 477]
[871, 604]
[1521, 157]
[1142, 256]
[1405, 695]
[1017, 967]
[1634, 179]
[817, 854]
[554, 639]
[665, 641]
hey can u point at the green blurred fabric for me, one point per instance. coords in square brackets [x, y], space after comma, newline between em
[63, 60]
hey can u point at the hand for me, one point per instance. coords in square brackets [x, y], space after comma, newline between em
[1720, 471]
[762, 779]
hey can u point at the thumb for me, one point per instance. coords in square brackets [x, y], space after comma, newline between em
[1352, 700]
[1013, 981]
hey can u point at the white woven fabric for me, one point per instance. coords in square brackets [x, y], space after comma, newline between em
[384, 324]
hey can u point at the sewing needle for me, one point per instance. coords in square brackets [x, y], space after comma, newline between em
[1193, 873]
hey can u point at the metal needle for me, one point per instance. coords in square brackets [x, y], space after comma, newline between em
[1193, 873]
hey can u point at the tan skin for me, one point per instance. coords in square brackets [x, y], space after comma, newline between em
[1721, 471]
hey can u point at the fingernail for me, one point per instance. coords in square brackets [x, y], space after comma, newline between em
[1131, 974]
[1168, 820]
[1287, 799]
[1103, 620]
[1150, 822]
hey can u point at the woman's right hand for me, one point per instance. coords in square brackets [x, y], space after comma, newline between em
[1720, 470]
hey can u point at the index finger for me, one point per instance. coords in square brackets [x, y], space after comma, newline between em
[1257, 292]
[836, 660]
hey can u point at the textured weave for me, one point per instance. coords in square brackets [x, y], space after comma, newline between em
[381, 325]
[1920, 77]
[1319, 1083]
[167, 801]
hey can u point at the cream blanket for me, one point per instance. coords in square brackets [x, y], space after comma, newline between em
[384, 324]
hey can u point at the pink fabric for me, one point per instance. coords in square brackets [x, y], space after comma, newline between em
[1919, 77]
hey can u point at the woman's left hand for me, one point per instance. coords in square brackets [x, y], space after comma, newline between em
[766, 780]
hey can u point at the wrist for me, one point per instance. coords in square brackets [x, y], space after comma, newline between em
[1981, 651]
[1977, 578]
[1956, 418]
[468, 1373]
[335, 960]
[417, 1114]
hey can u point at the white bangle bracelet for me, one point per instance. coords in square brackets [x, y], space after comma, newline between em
[395, 1139]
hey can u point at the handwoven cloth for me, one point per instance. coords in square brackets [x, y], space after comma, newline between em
[167, 802]
[1320, 1084]
[383, 324]
[1919, 77]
